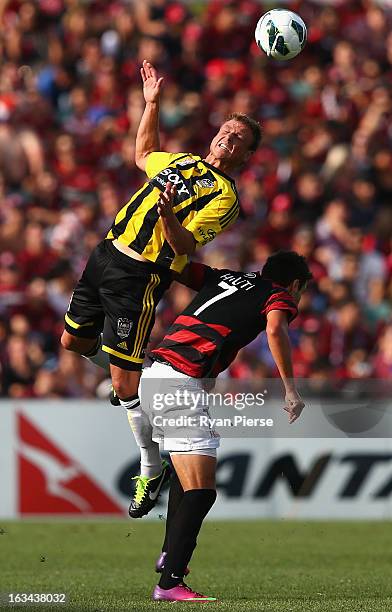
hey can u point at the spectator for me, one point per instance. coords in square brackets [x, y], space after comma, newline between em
[277, 230]
[348, 334]
[36, 258]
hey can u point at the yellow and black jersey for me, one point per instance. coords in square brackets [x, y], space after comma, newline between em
[206, 203]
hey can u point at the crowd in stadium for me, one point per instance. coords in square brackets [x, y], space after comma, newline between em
[320, 183]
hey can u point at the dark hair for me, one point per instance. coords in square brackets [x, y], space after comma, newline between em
[284, 267]
[250, 123]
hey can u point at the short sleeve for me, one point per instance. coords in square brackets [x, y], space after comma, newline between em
[281, 300]
[159, 160]
[198, 275]
[214, 218]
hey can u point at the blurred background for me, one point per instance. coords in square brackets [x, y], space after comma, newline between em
[321, 182]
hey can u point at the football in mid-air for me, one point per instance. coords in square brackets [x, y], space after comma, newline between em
[281, 34]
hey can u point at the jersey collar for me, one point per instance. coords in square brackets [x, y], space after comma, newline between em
[226, 176]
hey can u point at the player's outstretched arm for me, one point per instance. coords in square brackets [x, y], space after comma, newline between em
[147, 137]
[279, 343]
[180, 239]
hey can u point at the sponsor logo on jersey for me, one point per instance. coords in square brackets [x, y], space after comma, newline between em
[123, 345]
[207, 235]
[172, 175]
[124, 327]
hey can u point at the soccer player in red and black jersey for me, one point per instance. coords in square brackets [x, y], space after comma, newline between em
[229, 311]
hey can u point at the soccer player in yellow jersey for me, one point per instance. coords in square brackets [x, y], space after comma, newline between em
[112, 310]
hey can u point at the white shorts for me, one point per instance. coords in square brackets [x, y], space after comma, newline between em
[178, 426]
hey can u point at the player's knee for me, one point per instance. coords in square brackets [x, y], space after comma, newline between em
[123, 390]
[69, 342]
[77, 345]
[124, 383]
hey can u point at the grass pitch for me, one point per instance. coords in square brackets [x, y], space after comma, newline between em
[265, 566]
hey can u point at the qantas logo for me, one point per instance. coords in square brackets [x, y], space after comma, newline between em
[50, 482]
[56, 475]
[234, 470]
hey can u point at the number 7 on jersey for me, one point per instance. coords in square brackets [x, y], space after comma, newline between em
[229, 290]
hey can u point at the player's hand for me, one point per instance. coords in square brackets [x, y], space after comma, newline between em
[166, 201]
[151, 83]
[294, 405]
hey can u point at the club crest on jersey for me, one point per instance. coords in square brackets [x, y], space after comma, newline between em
[205, 183]
[124, 327]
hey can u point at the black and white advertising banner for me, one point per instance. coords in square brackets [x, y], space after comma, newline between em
[77, 458]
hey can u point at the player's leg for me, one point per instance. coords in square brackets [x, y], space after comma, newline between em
[154, 472]
[91, 348]
[196, 476]
[78, 345]
[85, 316]
[193, 454]
[176, 493]
[196, 473]
[126, 384]
[129, 294]
[125, 369]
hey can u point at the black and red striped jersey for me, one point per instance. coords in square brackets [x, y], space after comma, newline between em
[228, 312]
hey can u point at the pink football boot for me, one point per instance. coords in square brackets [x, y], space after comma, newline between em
[181, 592]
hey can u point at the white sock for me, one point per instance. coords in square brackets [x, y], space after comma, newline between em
[98, 356]
[150, 457]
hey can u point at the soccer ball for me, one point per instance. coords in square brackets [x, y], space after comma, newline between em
[281, 34]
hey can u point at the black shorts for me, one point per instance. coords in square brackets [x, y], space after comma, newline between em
[117, 295]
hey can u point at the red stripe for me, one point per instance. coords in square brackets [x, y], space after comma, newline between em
[221, 329]
[283, 307]
[185, 336]
[281, 295]
[280, 306]
[179, 362]
[188, 321]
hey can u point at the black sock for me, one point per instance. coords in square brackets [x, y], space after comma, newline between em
[183, 532]
[176, 493]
